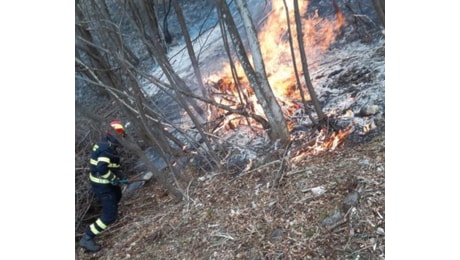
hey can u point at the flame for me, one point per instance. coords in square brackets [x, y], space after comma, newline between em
[323, 142]
[318, 34]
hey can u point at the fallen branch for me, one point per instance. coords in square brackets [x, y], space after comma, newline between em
[224, 236]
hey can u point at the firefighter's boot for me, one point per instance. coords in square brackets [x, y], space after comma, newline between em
[89, 244]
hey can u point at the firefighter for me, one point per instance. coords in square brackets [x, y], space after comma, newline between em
[105, 178]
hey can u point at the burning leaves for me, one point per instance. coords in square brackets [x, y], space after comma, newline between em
[342, 102]
[329, 142]
[320, 141]
[319, 33]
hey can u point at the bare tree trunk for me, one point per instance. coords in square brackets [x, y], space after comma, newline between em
[177, 83]
[152, 13]
[188, 42]
[114, 34]
[167, 36]
[159, 54]
[236, 79]
[158, 141]
[257, 77]
[379, 6]
[303, 57]
[294, 65]
[83, 39]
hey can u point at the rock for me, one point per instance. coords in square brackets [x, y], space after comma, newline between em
[318, 191]
[333, 218]
[369, 110]
[276, 235]
[350, 200]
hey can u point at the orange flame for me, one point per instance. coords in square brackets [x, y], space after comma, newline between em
[322, 143]
[318, 34]
[330, 142]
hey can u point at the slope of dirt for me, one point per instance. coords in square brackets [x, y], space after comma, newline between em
[327, 206]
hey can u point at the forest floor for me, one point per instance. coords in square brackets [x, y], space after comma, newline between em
[326, 206]
[329, 205]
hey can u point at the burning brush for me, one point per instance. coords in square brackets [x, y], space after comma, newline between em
[235, 92]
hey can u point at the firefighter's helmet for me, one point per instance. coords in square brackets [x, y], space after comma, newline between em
[118, 127]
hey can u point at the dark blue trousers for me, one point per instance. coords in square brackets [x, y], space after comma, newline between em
[109, 196]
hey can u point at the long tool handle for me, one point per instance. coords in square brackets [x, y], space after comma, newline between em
[136, 180]
[130, 181]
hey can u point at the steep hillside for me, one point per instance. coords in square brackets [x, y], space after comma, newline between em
[328, 206]
[297, 203]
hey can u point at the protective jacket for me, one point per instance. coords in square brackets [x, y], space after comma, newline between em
[105, 161]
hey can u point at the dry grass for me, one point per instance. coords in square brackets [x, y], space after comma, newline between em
[248, 217]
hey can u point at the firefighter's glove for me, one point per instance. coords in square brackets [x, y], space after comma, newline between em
[115, 182]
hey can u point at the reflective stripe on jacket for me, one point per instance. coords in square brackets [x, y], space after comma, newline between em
[103, 162]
